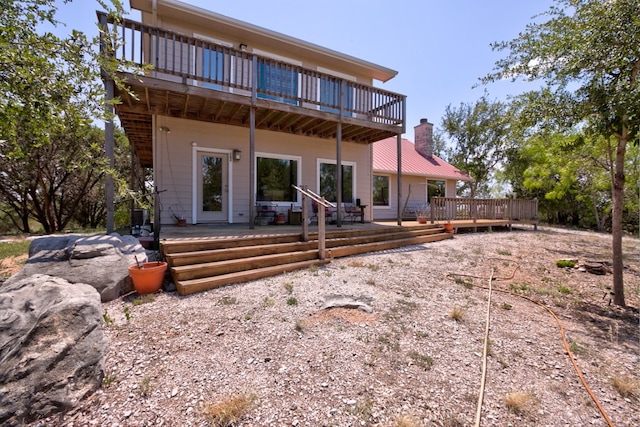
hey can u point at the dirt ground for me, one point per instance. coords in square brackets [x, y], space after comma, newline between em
[268, 351]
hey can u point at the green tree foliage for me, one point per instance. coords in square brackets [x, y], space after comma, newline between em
[50, 92]
[587, 54]
[479, 137]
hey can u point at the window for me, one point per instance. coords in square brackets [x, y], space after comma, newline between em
[274, 179]
[277, 79]
[330, 94]
[380, 190]
[212, 67]
[328, 187]
[435, 188]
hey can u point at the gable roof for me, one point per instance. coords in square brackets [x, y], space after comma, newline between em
[248, 33]
[385, 159]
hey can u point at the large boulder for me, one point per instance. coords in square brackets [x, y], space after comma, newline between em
[98, 260]
[52, 347]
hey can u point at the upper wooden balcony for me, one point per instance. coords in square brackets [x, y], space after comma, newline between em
[196, 79]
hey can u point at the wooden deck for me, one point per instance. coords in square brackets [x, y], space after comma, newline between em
[207, 231]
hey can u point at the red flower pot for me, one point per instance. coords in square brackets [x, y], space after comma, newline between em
[147, 279]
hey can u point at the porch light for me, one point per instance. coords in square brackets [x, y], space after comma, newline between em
[236, 155]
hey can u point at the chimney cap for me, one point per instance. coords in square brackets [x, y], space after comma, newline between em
[422, 121]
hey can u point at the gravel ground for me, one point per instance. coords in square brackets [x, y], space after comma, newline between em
[267, 349]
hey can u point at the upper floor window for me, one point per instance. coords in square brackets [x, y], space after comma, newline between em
[213, 67]
[330, 94]
[277, 82]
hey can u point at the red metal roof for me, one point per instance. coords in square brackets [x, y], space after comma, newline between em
[385, 159]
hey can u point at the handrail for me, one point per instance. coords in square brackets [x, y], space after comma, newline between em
[220, 67]
[321, 224]
[318, 198]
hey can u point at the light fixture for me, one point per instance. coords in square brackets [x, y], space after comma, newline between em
[243, 47]
[236, 155]
[164, 129]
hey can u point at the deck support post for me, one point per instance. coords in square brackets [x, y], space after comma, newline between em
[399, 151]
[305, 216]
[252, 142]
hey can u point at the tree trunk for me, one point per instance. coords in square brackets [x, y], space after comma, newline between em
[616, 219]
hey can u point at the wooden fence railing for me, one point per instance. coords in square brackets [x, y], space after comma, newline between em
[513, 210]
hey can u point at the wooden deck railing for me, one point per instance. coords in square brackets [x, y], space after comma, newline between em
[199, 62]
[513, 210]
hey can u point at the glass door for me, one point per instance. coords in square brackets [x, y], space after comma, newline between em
[213, 188]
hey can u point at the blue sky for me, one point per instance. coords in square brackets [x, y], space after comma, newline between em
[440, 48]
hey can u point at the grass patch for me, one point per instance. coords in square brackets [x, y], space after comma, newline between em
[363, 409]
[519, 401]
[143, 299]
[564, 290]
[521, 287]
[421, 360]
[288, 287]
[108, 379]
[229, 411]
[506, 306]
[457, 314]
[504, 252]
[627, 387]
[404, 421]
[577, 348]
[17, 248]
[467, 284]
[145, 388]
[228, 300]
[107, 319]
[292, 301]
[565, 263]
[268, 302]
[299, 326]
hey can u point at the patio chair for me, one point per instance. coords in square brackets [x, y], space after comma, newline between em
[353, 212]
[327, 212]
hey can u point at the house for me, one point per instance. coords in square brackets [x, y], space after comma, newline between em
[424, 175]
[231, 115]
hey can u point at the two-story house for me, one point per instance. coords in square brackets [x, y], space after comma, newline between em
[231, 115]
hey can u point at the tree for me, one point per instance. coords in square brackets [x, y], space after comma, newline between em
[587, 55]
[480, 134]
[50, 91]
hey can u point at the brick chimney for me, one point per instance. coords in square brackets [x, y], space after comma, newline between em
[424, 138]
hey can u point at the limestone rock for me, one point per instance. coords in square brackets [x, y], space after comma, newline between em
[98, 260]
[52, 348]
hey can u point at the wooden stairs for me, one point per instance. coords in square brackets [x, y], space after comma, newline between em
[200, 264]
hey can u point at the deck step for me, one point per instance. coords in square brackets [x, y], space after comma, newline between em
[187, 287]
[342, 251]
[200, 264]
[208, 269]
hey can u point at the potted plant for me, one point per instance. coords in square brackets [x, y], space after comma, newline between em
[180, 219]
[448, 226]
[147, 277]
[422, 213]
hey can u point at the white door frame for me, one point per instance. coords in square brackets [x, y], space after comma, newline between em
[194, 180]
